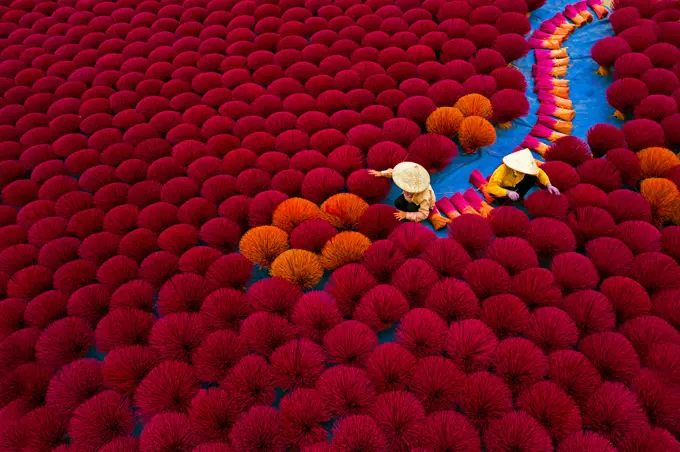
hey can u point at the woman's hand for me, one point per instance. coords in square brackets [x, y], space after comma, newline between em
[375, 173]
[552, 189]
[513, 195]
[399, 215]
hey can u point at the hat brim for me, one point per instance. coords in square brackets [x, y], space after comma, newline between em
[402, 176]
[521, 161]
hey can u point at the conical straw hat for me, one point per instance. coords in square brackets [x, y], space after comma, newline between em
[411, 177]
[522, 161]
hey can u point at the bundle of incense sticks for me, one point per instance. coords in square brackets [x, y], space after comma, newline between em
[445, 207]
[541, 131]
[462, 205]
[477, 203]
[478, 181]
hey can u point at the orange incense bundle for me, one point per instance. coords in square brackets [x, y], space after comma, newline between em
[561, 102]
[541, 131]
[582, 9]
[553, 110]
[534, 144]
[599, 9]
[478, 181]
[438, 220]
[462, 205]
[445, 206]
[555, 124]
[477, 203]
[572, 14]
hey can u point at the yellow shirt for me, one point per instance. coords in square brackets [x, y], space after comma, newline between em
[505, 177]
[427, 200]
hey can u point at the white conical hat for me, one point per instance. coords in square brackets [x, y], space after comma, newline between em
[411, 177]
[522, 161]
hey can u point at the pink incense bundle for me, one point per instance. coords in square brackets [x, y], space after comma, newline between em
[462, 205]
[562, 22]
[537, 71]
[543, 44]
[556, 124]
[600, 10]
[544, 96]
[582, 8]
[477, 202]
[542, 35]
[572, 14]
[548, 80]
[541, 131]
[549, 27]
[445, 206]
[478, 180]
[557, 91]
[554, 110]
[534, 144]
[546, 54]
[556, 62]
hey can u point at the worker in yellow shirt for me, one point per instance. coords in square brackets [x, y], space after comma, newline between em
[516, 176]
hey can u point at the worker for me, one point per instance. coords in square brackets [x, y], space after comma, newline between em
[515, 177]
[417, 200]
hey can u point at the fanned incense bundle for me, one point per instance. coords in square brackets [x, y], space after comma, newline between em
[555, 124]
[475, 105]
[462, 205]
[444, 121]
[596, 5]
[445, 206]
[475, 133]
[533, 144]
[553, 110]
[477, 203]
[555, 100]
[541, 131]
[478, 181]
